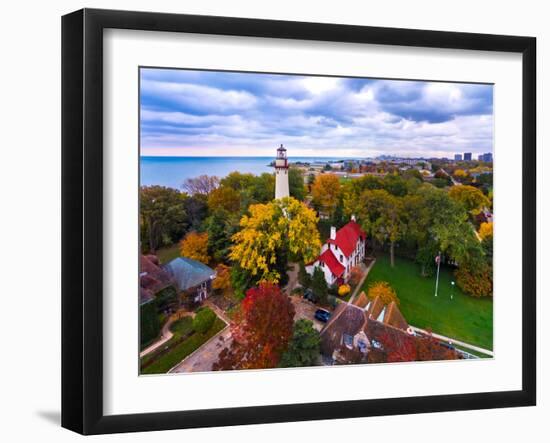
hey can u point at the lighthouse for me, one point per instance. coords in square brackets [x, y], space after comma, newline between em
[281, 173]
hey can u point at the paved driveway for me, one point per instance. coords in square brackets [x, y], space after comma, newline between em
[305, 309]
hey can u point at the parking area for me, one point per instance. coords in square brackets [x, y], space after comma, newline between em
[306, 309]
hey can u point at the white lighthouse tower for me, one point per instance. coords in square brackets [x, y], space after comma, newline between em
[281, 173]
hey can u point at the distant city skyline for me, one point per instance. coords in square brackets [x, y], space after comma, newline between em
[205, 113]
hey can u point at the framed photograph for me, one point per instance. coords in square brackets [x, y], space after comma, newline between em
[268, 221]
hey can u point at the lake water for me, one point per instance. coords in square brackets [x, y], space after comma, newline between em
[173, 171]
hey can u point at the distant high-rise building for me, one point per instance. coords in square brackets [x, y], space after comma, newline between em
[458, 157]
[467, 156]
[480, 157]
[487, 157]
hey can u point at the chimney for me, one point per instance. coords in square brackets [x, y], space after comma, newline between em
[332, 233]
[353, 217]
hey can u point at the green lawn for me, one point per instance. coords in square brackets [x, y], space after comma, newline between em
[165, 362]
[168, 253]
[464, 318]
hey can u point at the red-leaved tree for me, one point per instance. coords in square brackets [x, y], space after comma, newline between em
[261, 330]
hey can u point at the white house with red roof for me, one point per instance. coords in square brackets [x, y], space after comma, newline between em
[344, 250]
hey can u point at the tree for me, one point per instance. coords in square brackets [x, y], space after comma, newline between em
[304, 347]
[319, 286]
[344, 290]
[326, 192]
[296, 183]
[472, 199]
[195, 246]
[241, 281]
[196, 210]
[202, 185]
[476, 281]
[338, 220]
[460, 175]
[219, 229]
[224, 198]
[398, 346]
[272, 230]
[384, 291]
[486, 231]
[222, 282]
[381, 214]
[303, 277]
[430, 349]
[395, 185]
[162, 216]
[261, 332]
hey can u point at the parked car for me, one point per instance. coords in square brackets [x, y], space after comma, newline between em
[309, 296]
[322, 315]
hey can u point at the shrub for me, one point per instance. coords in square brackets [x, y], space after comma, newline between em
[344, 290]
[383, 290]
[476, 282]
[149, 323]
[204, 319]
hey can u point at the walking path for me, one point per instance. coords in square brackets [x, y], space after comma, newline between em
[454, 341]
[360, 284]
[166, 333]
[292, 277]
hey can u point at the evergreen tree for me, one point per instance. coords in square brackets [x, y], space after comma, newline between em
[319, 286]
[303, 277]
[304, 347]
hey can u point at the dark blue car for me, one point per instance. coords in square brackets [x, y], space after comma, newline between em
[322, 315]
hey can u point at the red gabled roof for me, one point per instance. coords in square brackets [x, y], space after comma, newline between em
[347, 237]
[333, 264]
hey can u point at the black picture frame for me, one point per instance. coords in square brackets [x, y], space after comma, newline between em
[82, 218]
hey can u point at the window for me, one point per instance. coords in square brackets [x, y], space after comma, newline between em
[341, 258]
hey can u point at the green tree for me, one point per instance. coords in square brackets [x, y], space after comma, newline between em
[380, 214]
[304, 347]
[296, 183]
[319, 286]
[196, 210]
[303, 277]
[219, 231]
[162, 216]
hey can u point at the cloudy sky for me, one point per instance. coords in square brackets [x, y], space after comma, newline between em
[200, 113]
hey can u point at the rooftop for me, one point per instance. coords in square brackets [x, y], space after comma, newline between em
[188, 273]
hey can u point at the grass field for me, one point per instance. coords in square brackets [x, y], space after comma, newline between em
[464, 318]
[165, 362]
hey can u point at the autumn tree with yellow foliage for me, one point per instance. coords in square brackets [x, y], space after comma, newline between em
[326, 191]
[383, 290]
[195, 246]
[470, 197]
[486, 230]
[222, 282]
[282, 225]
